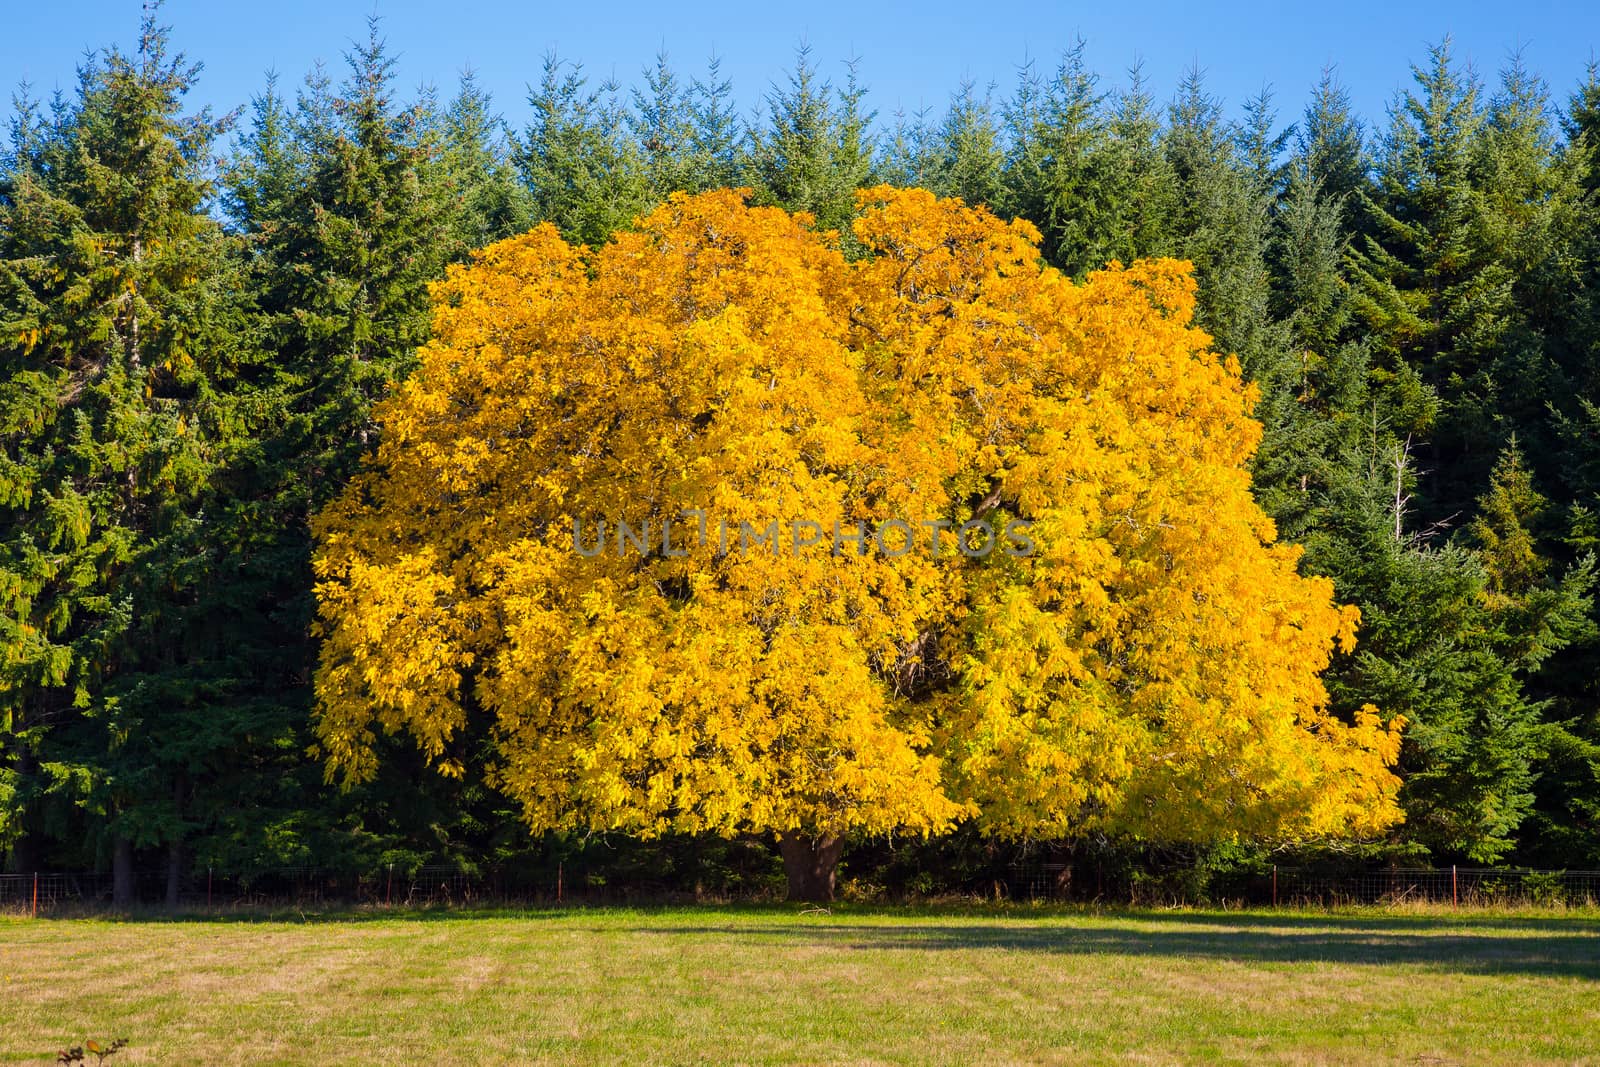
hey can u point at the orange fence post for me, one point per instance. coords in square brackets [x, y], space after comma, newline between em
[35, 894]
[1274, 885]
[560, 871]
[1455, 896]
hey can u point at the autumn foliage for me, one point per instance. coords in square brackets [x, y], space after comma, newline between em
[1150, 669]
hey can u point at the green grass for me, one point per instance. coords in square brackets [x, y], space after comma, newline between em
[779, 985]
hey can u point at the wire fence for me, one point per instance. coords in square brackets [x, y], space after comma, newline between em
[277, 887]
[1301, 886]
[447, 885]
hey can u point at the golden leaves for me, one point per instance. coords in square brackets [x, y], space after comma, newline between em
[1150, 668]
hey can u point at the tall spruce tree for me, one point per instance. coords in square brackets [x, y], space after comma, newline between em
[908, 153]
[576, 158]
[114, 311]
[1223, 226]
[1331, 145]
[380, 196]
[969, 160]
[1060, 170]
[663, 125]
[491, 203]
[816, 148]
[1140, 176]
[1422, 291]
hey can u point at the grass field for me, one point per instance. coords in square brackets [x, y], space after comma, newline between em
[779, 985]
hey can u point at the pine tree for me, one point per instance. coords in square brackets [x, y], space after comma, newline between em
[114, 313]
[662, 121]
[716, 134]
[1506, 545]
[816, 149]
[475, 155]
[969, 158]
[576, 158]
[1313, 413]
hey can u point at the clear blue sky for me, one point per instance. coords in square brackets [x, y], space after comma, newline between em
[911, 55]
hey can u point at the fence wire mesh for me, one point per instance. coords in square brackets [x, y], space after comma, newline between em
[446, 885]
[1298, 886]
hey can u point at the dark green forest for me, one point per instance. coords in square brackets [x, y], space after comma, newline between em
[198, 312]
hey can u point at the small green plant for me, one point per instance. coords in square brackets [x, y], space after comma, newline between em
[1494, 890]
[1548, 887]
[75, 1054]
[862, 891]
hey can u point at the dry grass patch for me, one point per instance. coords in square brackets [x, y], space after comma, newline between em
[778, 986]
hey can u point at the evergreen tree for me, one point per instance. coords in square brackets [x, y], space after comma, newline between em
[663, 126]
[1422, 290]
[1331, 146]
[716, 134]
[475, 154]
[1260, 145]
[1581, 123]
[816, 149]
[969, 158]
[379, 197]
[1139, 176]
[268, 164]
[113, 311]
[1060, 172]
[366, 232]
[576, 158]
[1223, 226]
[908, 154]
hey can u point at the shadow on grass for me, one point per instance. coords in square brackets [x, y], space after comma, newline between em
[1552, 944]
[1568, 950]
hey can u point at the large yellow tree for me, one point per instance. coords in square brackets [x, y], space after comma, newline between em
[729, 534]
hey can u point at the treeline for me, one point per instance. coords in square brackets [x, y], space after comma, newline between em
[198, 312]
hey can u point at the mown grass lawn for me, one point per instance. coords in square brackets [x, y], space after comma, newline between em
[780, 985]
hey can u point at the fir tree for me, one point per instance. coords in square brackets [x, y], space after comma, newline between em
[475, 154]
[816, 149]
[908, 154]
[114, 313]
[1331, 146]
[716, 134]
[1223, 226]
[1421, 287]
[662, 122]
[576, 158]
[969, 158]
[1059, 170]
[1140, 176]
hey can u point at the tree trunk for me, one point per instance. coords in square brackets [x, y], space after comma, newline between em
[122, 873]
[175, 846]
[174, 873]
[24, 857]
[810, 862]
[25, 851]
